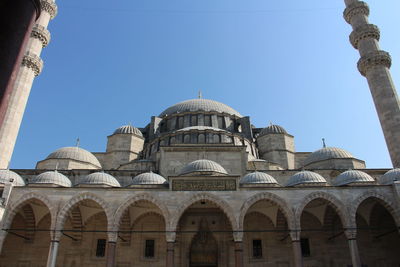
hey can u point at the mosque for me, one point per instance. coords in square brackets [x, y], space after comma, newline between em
[201, 186]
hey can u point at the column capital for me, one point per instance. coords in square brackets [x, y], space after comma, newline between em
[372, 59]
[50, 7]
[112, 236]
[354, 9]
[33, 62]
[170, 236]
[238, 236]
[295, 235]
[41, 33]
[351, 233]
[363, 32]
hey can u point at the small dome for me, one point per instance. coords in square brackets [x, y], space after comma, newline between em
[53, 178]
[203, 165]
[390, 177]
[327, 153]
[75, 153]
[258, 178]
[148, 178]
[353, 177]
[199, 104]
[306, 178]
[273, 129]
[128, 129]
[6, 176]
[99, 178]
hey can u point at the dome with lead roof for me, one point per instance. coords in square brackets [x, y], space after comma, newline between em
[200, 104]
[100, 179]
[51, 178]
[128, 129]
[353, 177]
[273, 129]
[148, 178]
[6, 176]
[203, 165]
[258, 178]
[75, 153]
[390, 177]
[306, 178]
[327, 153]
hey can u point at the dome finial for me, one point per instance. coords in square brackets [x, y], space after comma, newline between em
[323, 143]
[77, 142]
[56, 169]
[200, 95]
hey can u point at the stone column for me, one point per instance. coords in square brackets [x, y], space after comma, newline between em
[351, 239]
[170, 254]
[52, 257]
[111, 248]
[170, 238]
[30, 68]
[238, 238]
[296, 245]
[239, 254]
[374, 64]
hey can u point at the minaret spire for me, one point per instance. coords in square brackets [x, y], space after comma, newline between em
[31, 67]
[374, 64]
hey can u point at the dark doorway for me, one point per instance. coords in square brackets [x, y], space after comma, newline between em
[204, 248]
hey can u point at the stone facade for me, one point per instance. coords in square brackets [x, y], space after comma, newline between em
[201, 186]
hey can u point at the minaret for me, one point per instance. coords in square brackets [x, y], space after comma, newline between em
[30, 68]
[374, 64]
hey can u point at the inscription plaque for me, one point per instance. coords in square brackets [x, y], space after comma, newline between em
[204, 185]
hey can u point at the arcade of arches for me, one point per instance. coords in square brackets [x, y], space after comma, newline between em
[204, 232]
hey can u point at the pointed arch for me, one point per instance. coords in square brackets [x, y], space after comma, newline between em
[275, 199]
[224, 206]
[64, 211]
[132, 200]
[14, 207]
[393, 208]
[333, 201]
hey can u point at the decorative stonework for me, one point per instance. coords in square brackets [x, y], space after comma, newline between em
[372, 59]
[41, 33]
[281, 203]
[204, 185]
[33, 62]
[334, 202]
[363, 32]
[50, 7]
[354, 9]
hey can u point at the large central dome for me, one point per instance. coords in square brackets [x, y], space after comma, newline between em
[199, 104]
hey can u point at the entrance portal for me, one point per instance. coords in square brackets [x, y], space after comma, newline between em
[204, 248]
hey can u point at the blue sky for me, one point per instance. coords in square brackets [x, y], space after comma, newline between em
[112, 63]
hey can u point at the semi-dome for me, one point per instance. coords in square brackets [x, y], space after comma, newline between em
[258, 178]
[273, 129]
[99, 178]
[75, 153]
[128, 129]
[327, 153]
[203, 165]
[306, 178]
[353, 177]
[52, 178]
[148, 178]
[6, 176]
[199, 104]
[390, 177]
